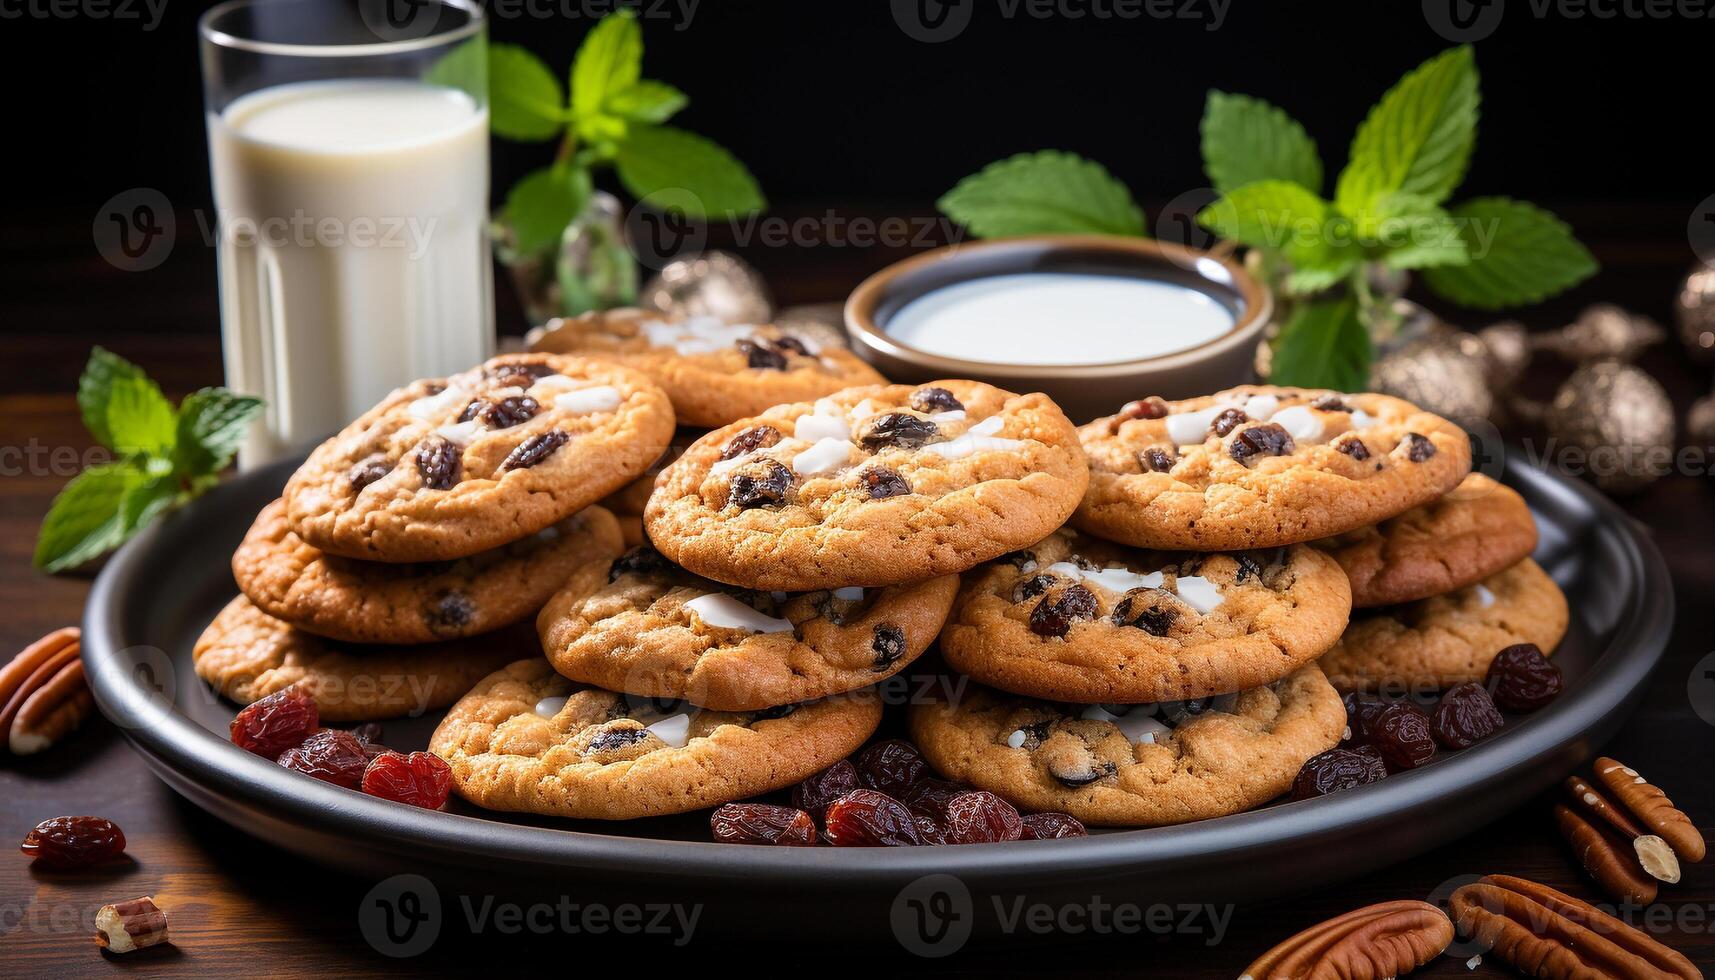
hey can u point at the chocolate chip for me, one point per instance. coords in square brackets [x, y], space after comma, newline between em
[1353, 447]
[510, 411]
[751, 439]
[438, 464]
[1228, 420]
[789, 343]
[1145, 408]
[896, 429]
[1074, 773]
[1419, 448]
[1156, 460]
[641, 560]
[760, 484]
[1032, 587]
[368, 470]
[1150, 610]
[1330, 403]
[759, 355]
[888, 642]
[882, 482]
[935, 400]
[449, 612]
[1248, 567]
[534, 450]
[1054, 615]
[1267, 439]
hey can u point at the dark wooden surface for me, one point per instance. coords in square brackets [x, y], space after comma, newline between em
[241, 906]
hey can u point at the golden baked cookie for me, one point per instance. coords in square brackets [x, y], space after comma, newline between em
[1449, 639]
[246, 655]
[1478, 529]
[871, 486]
[377, 602]
[1080, 619]
[1136, 765]
[644, 626]
[526, 739]
[715, 372]
[442, 469]
[1261, 467]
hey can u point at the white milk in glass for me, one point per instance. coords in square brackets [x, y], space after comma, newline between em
[354, 252]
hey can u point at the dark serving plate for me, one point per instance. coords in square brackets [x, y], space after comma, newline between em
[156, 595]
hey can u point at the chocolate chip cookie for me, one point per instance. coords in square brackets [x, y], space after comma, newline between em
[1079, 619]
[246, 655]
[420, 602]
[1478, 529]
[1449, 639]
[645, 626]
[446, 468]
[526, 739]
[715, 372]
[1134, 765]
[872, 486]
[1261, 467]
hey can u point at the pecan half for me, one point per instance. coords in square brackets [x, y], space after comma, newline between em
[1545, 933]
[52, 711]
[1655, 855]
[1604, 859]
[1386, 940]
[33, 670]
[127, 926]
[1652, 807]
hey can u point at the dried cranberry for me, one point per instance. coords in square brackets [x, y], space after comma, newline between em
[1054, 615]
[760, 484]
[815, 793]
[867, 818]
[1150, 610]
[749, 440]
[1353, 447]
[330, 755]
[1052, 826]
[931, 796]
[896, 429]
[534, 450]
[641, 560]
[73, 842]
[1330, 403]
[1465, 716]
[881, 482]
[1267, 439]
[368, 470]
[510, 411]
[276, 723]
[1335, 770]
[1156, 460]
[761, 823]
[1228, 420]
[980, 817]
[438, 464]
[1401, 732]
[419, 779]
[1145, 408]
[935, 400]
[1418, 448]
[887, 642]
[449, 612]
[892, 766]
[1520, 678]
[758, 354]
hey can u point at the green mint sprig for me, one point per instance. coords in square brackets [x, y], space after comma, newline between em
[166, 456]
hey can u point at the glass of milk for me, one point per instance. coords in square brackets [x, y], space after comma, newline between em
[348, 141]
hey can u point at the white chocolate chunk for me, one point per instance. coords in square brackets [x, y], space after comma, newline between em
[1484, 596]
[1016, 739]
[432, 406]
[851, 593]
[811, 428]
[1198, 592]
[722, 611]
[460, 434]
[987, 427]
[549, 707]
[552, 384]
[1261, 407]
[826, 456]
[953, 415]
[1299, 422]
[1191, 428]
[675, 730]
[1138, 724]
[1362, 419]
[697, 335]
[584, 401]
[1119, 580]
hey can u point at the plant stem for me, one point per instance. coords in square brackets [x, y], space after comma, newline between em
[568, 144]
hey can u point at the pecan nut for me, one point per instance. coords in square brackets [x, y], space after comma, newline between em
[34, 670]
[1604, 859]
[1545, 933]
[1654, 854]
[128, 926]
[1386, 940]
[1652, 807]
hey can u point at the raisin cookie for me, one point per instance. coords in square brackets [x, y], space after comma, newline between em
[447, 468]
[422, 602]
[644, 626]
[871, 486]
[1134, 765]
[246, 655]
[1449, 639]
[627, 502]
[526, 739]
[715, 372]
[1478, 529]
[1261, 467]
[1079, 619]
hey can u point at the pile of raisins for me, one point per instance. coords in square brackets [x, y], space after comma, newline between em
[886, 798]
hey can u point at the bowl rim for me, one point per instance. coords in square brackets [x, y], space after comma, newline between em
[1258, 302]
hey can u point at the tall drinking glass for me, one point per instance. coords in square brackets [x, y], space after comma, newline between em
[349, 149]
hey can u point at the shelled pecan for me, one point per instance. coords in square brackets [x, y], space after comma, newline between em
[1607, 861]
[128, 926]
[1386, 940]
[1652, 808]
[1545, 933]
[42, 692]
[1654, 854]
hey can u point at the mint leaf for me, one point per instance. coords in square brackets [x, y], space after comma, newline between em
[465, 68]
[95, 386]
[84, 520]
[1519, 253]
[692, 174]
[647, 101]
[1418, 138]
[1323, 345]
[1283, 217]
[524, 98]
[610, 60]
[1410, 232]
[145, 502]
[544, 202]
[139, 417]
[1306, 280]
[1048, 192]
[211, 424]
[1246, 140]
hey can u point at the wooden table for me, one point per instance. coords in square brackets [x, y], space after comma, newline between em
[239, 905]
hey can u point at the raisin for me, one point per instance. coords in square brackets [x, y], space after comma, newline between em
[418, 779]
[761, 823]
[881, 483]
[641, 560]
[73, 842]
[1418, 448]
[510, 411]
[935, 400]
[1361, 712]
[786, 343]
[368, 470]
[1520, 678]
[1054, 615]
[1335, 770]
[616, 739]
[330, 755]
[510, 373]
[1073, 774]
[1145, 408]
[1228, 420]
[1267, 439]
[534, 450]
[773, 712]
[868, 818]
[888, 643]
[1353, 447]
[1330, 403]
[1020, 559]
[1052, 826]
[1465, 716]
[896, 429]
[276, 723]
[928, 831]
[892, 766]
[1156, 460]
[980, 817]
[751, 439]
[758, 354]
[471, 409]
[1146, 609]
[449, 613]
[1401, 732]
[1032, 587]
[438, 464]
[369, 732]
[762, 484]
[815, 793]
[932, 796]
